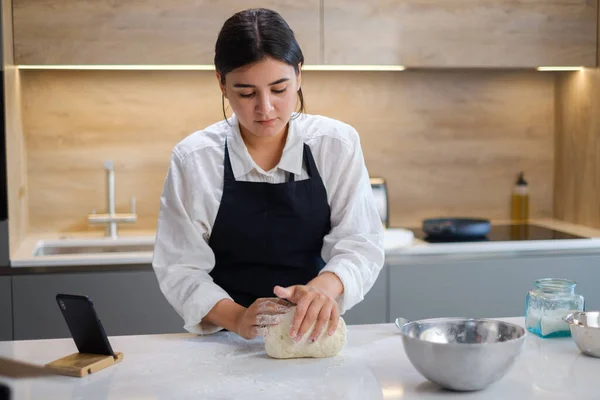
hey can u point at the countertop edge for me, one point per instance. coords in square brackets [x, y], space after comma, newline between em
[417, 251]
[15, 271]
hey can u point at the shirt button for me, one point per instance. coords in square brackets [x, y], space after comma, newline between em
[270, 179]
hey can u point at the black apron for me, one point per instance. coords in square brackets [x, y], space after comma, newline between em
[269, 234]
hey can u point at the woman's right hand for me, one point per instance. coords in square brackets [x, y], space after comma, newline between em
[253, 321]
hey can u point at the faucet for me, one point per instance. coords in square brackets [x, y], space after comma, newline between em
[111, 217]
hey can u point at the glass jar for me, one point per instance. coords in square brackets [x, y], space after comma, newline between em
[548, 303]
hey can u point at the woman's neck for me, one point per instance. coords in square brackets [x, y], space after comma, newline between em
[265, 151]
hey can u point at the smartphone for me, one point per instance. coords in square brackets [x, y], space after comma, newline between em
[84, 324]
[4, 392]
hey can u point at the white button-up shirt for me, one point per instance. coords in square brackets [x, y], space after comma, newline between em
[353, 249]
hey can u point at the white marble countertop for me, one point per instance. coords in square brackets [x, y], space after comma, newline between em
[398, 243]
[373, 365]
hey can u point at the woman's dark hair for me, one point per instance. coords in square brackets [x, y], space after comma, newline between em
[251, 35]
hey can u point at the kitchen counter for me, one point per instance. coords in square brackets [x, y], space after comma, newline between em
[398, 244]
[589, 244]
[373, 365]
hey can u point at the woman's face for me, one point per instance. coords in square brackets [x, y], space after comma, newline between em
[262, 95]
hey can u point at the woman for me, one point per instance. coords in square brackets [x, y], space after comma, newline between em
[268, 202]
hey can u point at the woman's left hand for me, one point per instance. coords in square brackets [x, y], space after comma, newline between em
[313, 305]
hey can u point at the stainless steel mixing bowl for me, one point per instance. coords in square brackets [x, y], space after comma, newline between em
[585, 330]
[462, 354]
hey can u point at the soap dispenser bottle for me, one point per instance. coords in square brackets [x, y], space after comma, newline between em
[520, 200]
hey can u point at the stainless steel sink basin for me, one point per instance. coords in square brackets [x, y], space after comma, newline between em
[92, 246]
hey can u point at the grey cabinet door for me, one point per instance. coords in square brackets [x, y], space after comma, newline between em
[492, 288]
[374, 308]
[127, 303]
[6, 326]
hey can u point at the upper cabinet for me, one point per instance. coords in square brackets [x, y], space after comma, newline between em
[72, 32]
[461, 33]
[414, 33]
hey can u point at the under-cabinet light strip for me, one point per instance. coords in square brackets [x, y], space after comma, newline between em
[559, 68]
[122, 67]
[354, 68]
[206, 67]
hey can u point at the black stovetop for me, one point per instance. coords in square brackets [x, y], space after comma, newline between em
[505, 233]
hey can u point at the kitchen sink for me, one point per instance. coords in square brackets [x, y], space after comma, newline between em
[91, 246]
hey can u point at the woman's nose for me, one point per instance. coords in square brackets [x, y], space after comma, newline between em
[264, 105]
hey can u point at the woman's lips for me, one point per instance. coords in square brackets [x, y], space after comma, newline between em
[267, 122]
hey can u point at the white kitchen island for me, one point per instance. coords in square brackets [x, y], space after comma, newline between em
[373, 365]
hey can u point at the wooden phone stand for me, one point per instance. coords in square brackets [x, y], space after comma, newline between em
[80, 364]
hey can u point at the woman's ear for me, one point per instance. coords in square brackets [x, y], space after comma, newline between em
[221, 85]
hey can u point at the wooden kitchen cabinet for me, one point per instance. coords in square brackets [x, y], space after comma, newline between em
[142, 32]
[492, 288]
[127, 303]
[415, 33]
[374, 308]
[6, 327]
[461, 33]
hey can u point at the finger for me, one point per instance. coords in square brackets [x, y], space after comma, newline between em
[283, 302]
[277, 300]
[322, 319]
[267, 320]
[281, 291]
[269, 307]
[311, 316]
[257, 303]
[266, 306]
[288, 293]
[335, 320]
[301, 310]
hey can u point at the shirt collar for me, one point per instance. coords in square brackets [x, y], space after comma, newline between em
[241, 161]
[293, 151]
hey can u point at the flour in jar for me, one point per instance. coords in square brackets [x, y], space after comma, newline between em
[548, 321]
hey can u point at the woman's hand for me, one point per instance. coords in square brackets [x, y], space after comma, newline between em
[313, 305]
[252, 322]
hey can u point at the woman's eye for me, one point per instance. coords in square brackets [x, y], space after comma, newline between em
[248, 95]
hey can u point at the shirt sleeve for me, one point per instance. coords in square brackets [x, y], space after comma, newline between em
[182, 257]
[353, 250]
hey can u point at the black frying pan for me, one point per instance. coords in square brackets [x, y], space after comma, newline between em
[456, 228]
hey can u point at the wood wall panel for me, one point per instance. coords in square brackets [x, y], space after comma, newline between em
[460, 33]
[75, 120]
[449, 143]
[16, 166]
[16, 161]
[577, 193]
[142, 31]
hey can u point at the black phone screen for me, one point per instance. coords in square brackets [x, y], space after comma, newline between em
[84, 325]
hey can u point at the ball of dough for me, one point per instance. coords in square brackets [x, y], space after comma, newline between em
[279, 344]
